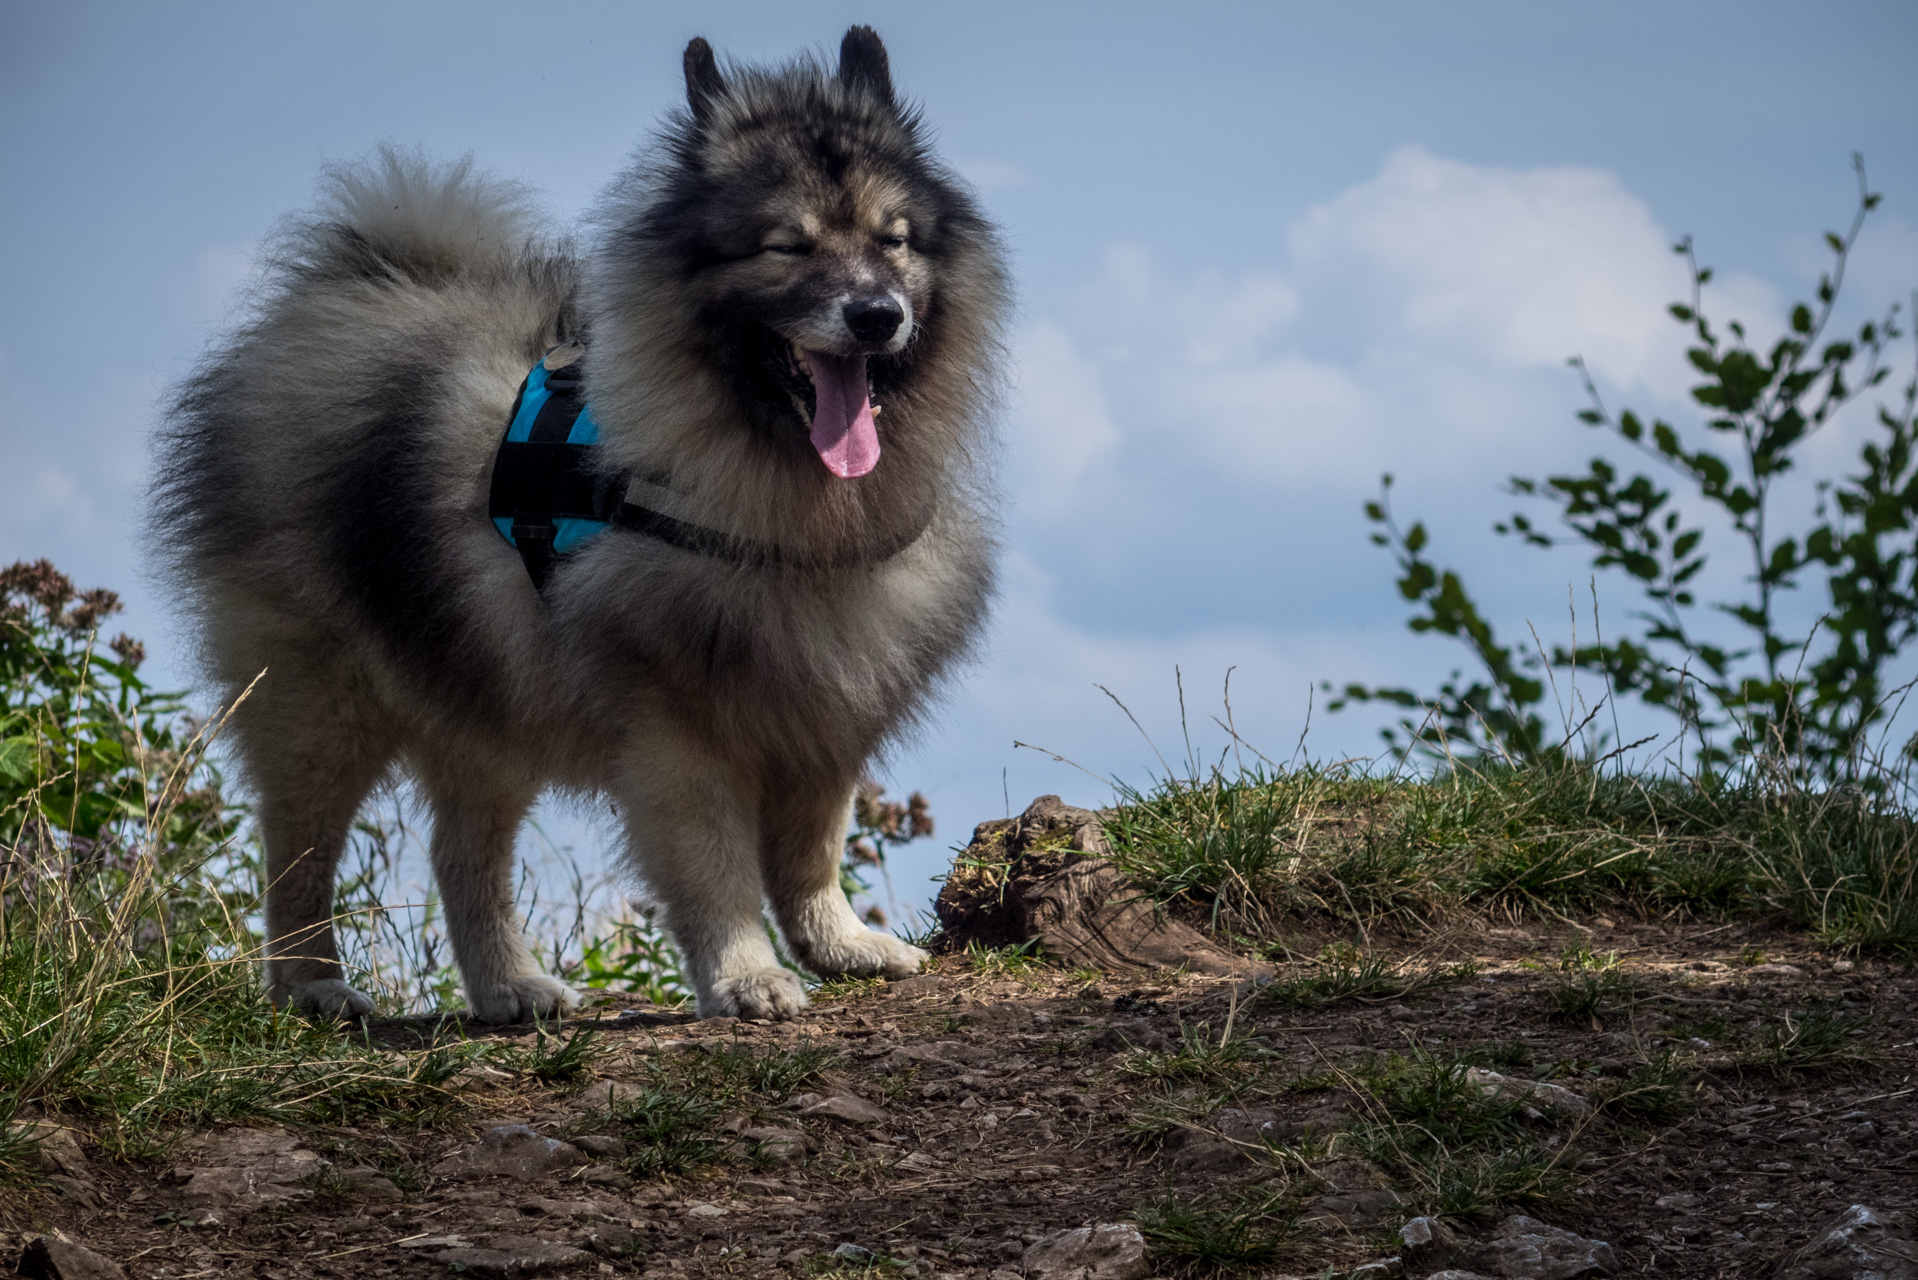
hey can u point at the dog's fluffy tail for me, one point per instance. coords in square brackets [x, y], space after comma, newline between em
[397, 216]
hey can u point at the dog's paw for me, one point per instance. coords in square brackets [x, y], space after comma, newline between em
[763, 993]
[327, 997]
[531, 997]
[866, 953]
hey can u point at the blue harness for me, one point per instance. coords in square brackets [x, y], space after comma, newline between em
[544, 501]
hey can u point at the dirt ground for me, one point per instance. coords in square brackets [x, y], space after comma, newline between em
[1006, 1101]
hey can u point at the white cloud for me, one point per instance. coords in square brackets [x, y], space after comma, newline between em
[1067, 424]
[1517, 267]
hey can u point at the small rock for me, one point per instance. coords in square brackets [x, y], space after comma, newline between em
[918, 1162]
[776, 1145]
[1383, 1269]
[1136, 1033]
[1551, 1099]
[1427, 1241]
[1862, 1245]
[599, 1144]
[700, 1209]
[848, 1109]
[557, 1208]
[1774, 969]
[370, 1182]
[244, 1169]
[55, 1257]
[604, 1176]
[1527, 1247]
[1354, 1207]
[602, 1095]
[612, 1240]
[511, 1151]
[80, 1192]
[1195, 1152]
[1109, 1251]
[509, 1257]
[853, 1252]
[1677, 1201]
[1251, 1126]
[56, 1147]
[923, 984]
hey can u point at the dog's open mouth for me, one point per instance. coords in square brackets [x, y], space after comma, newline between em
[843, 430]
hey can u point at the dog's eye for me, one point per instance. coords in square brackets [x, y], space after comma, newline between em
[892, 242]
[792, 250]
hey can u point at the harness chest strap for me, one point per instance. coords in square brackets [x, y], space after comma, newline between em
[546, 499]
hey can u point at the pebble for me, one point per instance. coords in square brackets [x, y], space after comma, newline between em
[57, 1258]
[1108, 1251]
[1863, 1244]
[847, 1109]
[513, 1151]
[1527, 1247]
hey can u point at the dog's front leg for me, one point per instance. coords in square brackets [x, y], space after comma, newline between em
[476, 816]
[693, 826]
[804, 838]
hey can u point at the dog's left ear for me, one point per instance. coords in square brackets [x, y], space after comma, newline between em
[863, 64]
[703, 83]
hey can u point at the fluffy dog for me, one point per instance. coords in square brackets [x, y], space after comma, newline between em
[790, 323]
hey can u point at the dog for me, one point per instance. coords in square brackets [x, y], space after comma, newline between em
[787, 332]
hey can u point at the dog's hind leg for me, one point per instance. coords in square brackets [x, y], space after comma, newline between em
[693, 829]
[311, 762]
[476, 818]
[804, 835]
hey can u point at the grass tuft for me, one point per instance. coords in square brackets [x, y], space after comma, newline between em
[1251, 849]
[1232, 1231]
[1345, 973]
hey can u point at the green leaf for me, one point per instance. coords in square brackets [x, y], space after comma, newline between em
[1801, 318]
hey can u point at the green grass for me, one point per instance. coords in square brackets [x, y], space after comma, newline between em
[1815, 1038]
[1199, 1055]
[1344, 972]
[996, 962]
[1658, 1092]
[1585, 985]
[554, 1058]
[1231, 1231]
[1456, 1151]
[1252, 848]
[671, 1123]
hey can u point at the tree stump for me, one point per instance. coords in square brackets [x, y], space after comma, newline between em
[1043, 877]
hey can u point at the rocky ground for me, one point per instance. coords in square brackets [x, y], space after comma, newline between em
[964, 1118]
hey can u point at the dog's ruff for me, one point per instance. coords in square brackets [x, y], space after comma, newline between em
[787, 258]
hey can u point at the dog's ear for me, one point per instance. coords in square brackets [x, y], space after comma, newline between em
[863, 64]
[703, 84]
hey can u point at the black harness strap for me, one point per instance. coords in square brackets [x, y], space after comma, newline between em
[546, 478]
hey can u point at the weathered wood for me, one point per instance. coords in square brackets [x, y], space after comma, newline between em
[1043, 877]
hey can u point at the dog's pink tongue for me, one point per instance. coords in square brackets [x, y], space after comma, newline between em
[842, 426]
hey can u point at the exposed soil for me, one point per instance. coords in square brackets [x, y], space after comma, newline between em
[1007, 1103]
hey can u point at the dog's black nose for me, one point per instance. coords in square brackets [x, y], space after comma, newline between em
[874, 319]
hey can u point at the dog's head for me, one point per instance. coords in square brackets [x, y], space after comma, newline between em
[811, 240]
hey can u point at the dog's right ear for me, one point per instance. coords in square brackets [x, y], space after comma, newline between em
[863, 63]
[703, 85]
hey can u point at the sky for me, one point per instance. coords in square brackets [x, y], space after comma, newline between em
[1263, 253]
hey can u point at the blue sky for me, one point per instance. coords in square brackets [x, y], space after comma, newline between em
[1263, 252]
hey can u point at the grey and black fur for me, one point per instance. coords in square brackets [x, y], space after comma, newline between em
[323, 505]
